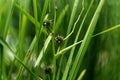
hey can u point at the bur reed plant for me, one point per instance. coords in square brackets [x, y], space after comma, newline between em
[46, 39]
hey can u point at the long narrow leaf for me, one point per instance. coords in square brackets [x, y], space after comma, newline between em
[43, 50]
[86, 40]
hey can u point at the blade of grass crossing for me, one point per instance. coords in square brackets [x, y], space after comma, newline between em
[61, 52]
[107, 30]
[86, 40]
[68, 65]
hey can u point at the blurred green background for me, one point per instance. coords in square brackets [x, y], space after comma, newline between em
[102, 57]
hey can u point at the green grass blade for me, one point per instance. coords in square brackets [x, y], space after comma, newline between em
[60, 18]
[54, 23]
[86, 40]
[43, 50]
[59, 69]
[8, 20]
[61, 52]
[82, 74]
[35, 14]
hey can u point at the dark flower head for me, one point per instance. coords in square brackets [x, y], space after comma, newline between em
[59, 39]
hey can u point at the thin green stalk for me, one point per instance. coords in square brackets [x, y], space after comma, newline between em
[74, 10]
[54, 69]
[55, 27]
[81, 74]
[54, 64]
[54, 14]
[20, 29]
[35, 13]
[53, 44]
[86, 40]
[8, 21]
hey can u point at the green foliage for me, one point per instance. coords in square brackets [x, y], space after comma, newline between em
[29, 30]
